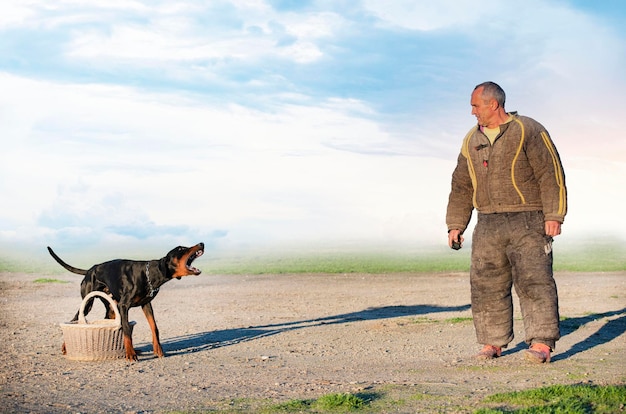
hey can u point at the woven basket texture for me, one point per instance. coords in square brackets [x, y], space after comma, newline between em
[96, 340]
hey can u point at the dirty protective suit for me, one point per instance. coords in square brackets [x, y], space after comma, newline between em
[515, 184]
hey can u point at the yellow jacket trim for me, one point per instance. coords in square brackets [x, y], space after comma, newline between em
[466, 153]
[519, 149]
[557, 172]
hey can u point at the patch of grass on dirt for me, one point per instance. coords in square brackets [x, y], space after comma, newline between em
[231, 406]
[48, 280]
[570, 399]
[422, 319]
[452, 321]
[459, 320]
[339, 402]
[329, 403]
[292, 406]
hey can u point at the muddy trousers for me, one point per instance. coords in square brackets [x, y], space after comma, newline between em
[511, 249]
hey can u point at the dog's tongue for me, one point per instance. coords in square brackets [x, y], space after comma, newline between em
[193, 269]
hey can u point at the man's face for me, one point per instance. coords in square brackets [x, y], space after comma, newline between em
[481, 109]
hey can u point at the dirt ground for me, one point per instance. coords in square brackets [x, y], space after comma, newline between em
[241, 342]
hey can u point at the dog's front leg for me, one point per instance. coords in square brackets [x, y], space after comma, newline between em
[156, 343]
[131, 355]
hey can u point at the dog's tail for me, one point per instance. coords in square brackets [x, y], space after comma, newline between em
[65, 265]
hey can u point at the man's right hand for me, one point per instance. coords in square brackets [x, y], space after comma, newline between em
[454, 237]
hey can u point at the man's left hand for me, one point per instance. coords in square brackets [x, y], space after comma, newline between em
[553, 228]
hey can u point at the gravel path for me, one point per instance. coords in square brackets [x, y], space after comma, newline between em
[246, 341]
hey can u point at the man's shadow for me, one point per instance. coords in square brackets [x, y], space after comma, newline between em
[609, 331]
[216, 339]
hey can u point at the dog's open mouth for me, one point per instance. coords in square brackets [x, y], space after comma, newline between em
[190, 260]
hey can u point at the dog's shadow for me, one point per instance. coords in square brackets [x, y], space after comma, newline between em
[216, 339]
[612, 329]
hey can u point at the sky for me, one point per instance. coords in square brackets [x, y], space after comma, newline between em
[242, 123]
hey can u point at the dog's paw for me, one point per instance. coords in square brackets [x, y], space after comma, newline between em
[131, 356]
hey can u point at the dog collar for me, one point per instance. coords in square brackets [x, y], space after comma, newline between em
[153, 291]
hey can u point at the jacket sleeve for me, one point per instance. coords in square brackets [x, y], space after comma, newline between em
[460, 201]
[548, 171]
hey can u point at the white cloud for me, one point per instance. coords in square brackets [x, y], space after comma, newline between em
[177, 35]
[15, 13]
[313, 25]
[431, 15]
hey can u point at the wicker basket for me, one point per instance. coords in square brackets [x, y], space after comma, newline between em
[94, 341]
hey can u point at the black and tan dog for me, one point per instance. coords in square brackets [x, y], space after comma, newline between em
[135, 283]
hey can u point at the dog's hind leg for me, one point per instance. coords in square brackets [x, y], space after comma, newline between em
[109, 313]
[131, 354]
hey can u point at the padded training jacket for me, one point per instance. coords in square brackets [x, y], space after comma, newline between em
[521, 171]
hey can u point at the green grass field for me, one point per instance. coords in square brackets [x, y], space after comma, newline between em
[590, 257]
[594, 260]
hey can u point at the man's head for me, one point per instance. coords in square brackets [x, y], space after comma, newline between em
[487, 102]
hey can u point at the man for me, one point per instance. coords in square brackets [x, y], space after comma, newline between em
[511, 173]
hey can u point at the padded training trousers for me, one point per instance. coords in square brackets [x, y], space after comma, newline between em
[512, 249]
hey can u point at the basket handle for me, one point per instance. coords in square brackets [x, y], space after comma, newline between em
[81, 312]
